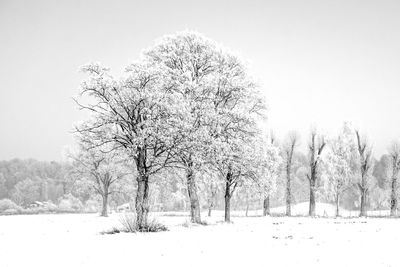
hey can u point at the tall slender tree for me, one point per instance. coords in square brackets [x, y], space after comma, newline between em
[394, 153]
[270, 168]
[315, 149]
[365, 169]
[338, 164]
[288, 151]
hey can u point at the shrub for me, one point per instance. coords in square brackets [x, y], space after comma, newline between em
[11, 211]
[129, 225]
[92, 205]
[70, 203]
[7, 204]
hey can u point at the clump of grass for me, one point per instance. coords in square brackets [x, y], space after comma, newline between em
[153, 226]
[128, 224]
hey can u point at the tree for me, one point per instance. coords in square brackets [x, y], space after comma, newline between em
[99, 171]
[209, 184]
[236, 163]
[215, 86]
[315, 149]
[365, 170]
[134, 114]
[26, 192]
[338, 164]
[270, 168]
[191, 61]
[394, 153]
[248, 193]
[3, 188]
[234, 131]
[288, 151]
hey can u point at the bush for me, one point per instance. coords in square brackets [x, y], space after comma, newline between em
[92, 205]
[129, 225]
[7, 204]
[11, 211]
[70, 203]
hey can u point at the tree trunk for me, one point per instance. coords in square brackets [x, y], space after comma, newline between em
[337, 202]
[227, 202]
[247, 208]
[266, 210]
[104, 210]
[194, 199]
[288, 193]
[363, 203]
[311, 211]
[393, 198]
[142, 200]
[211, 200]
[142, 195]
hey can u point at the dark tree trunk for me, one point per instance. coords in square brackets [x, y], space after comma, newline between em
[311, 211]
[288, 193]
[266, 210]
[142, 194]
[365, 160]
[227, 202]
[393, 198]
[142, 200]
[209, 210]
[337, 202]
[363, 200]
[194, 199]
[104, 210]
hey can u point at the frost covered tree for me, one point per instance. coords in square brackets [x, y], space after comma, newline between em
[192, 62]
[209, 188]
[248, 193]
[269, 170]
[236, 163]
[338, 164]
[234, 146]
[394, 153]
[99, 171]
[288, 152]
[315, 149]
[363, 179]
[134, 114]
[187, 97]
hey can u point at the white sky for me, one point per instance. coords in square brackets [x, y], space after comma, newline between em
[320, 62]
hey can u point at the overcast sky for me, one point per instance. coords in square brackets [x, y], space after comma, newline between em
[320, 62]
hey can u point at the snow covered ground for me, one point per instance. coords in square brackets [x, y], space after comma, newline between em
[74, 240]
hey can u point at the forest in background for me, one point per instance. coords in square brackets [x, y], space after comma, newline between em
[30, 180]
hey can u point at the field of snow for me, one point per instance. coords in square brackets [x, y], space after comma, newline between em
[74, 240]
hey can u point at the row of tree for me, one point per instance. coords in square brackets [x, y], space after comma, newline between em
[190, 107]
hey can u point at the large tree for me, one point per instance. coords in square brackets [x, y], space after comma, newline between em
[315, 149]
[191, 61]
[134, 114]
